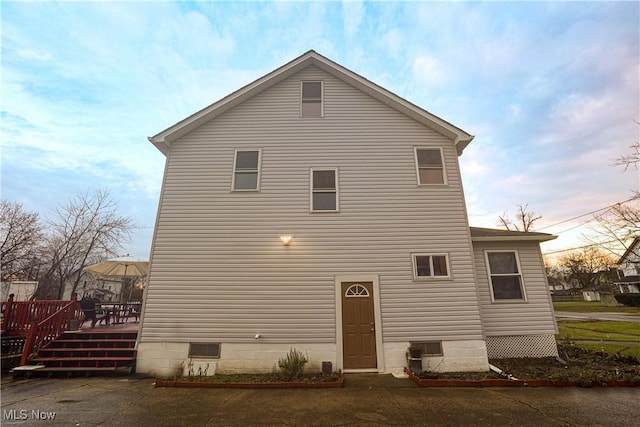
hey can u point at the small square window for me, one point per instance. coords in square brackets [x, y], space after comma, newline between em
[204, 350]
[504, 276]
[430, 266]
[324, 190]
[312, 99]
[430, 166]
[246, 170]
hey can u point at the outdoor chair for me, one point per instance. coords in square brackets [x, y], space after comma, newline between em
[93, 311]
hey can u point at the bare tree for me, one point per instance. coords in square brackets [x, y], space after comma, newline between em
[524, 221]
[21, 236]
[587, 267]
[631, 159]
[616, 227]
[85, 230]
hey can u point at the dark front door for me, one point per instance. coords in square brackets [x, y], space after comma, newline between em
[358, 326]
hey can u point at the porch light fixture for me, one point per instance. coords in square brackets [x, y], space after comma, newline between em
[286, 239]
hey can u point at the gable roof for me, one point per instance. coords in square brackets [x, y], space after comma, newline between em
[479, 234]
[629, 250]
[164, 139]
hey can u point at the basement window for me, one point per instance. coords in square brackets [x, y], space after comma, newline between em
[204, 350]
[429, 348]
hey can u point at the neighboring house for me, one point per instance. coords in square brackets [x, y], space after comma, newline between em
[106, 290]
[22, 290]
[591, 294]
[630, 266]
[316, 210]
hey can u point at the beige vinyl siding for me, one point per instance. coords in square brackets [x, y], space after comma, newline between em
[530, 317]
[219, 271]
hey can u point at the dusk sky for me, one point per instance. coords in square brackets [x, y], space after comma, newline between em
[549, 89]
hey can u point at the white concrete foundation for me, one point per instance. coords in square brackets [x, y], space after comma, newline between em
[458, 356]
[166, 360]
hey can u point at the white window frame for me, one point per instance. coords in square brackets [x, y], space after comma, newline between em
[311, 190]
[302, 82]
[258, 170]
[444, 169]
[490, 277]
[414, 265]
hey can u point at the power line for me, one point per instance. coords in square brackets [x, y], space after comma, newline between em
[580, 216]
[579, 247]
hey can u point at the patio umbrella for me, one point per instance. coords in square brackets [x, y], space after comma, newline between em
[120, 267]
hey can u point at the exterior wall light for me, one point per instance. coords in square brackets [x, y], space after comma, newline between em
[285, 240]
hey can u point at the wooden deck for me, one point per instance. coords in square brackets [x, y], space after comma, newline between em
[131, 326]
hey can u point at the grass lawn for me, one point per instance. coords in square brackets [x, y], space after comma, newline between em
[624, 350]
[600, 330]
[593, 307]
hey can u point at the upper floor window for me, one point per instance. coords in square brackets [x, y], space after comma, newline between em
[324, 190]
[430, 265]
[312, 99]
[505, 276]
[246, 170]
[430, 166]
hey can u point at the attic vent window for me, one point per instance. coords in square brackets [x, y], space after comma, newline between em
[312, 99]
[204, 350]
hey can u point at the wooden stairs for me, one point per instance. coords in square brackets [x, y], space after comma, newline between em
[87, 352]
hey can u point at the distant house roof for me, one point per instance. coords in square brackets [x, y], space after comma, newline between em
[494, 235]
[629, 250]
[628, 280]
[164, 139]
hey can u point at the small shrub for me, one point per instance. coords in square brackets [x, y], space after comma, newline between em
[292, 365]
[630, 300]
[588, 378]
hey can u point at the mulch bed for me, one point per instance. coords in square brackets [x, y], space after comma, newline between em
[255, 381]
[584, 368]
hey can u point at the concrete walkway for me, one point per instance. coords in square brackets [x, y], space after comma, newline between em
[597, 316]
[367, 400]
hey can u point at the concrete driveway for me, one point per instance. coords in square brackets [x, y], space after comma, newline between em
[367, 399]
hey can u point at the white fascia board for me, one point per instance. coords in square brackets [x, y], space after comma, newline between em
[521, 238]
[163, 139]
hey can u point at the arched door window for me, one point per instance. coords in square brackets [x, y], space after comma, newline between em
[355, 291]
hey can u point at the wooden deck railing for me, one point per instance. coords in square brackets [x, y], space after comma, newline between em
[50, 328]
[38, 321]
[18, 316]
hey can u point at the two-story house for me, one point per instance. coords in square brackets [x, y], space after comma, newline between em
[629, 265]
[314, 209]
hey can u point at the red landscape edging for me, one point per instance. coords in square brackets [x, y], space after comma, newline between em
[207, 384]
[496, 382]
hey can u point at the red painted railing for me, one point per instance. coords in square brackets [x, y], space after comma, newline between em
[18, 316]
[38, 321]
[40, 333]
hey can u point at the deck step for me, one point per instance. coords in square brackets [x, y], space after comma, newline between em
[88, 351]
[82, 369]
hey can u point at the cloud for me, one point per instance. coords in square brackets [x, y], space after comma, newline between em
[549, 89]
[428, 70]
[352, 15]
